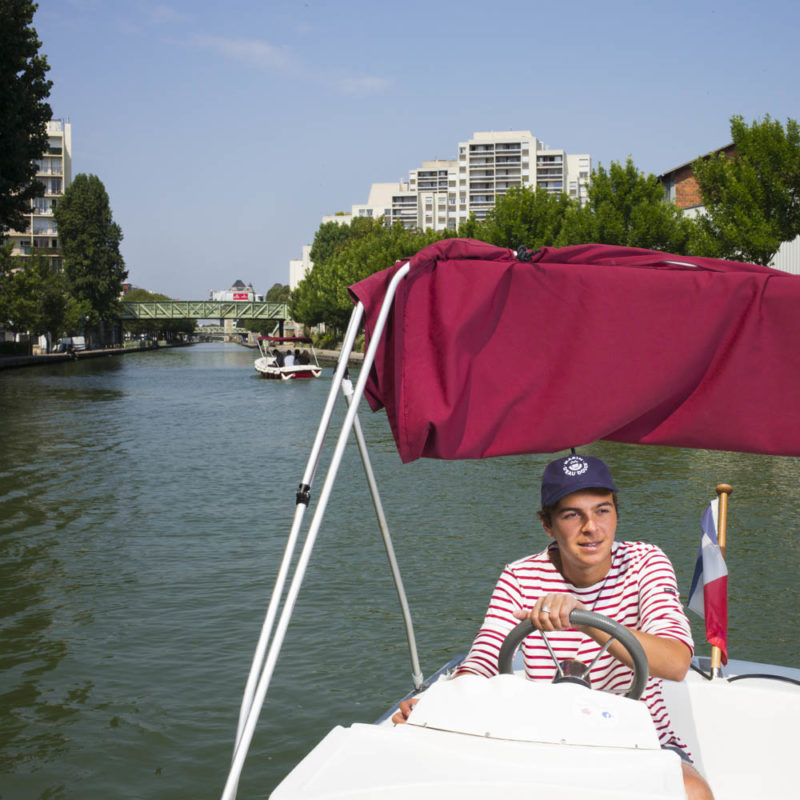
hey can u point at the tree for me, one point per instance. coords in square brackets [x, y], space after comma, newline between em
[525, 216]
[90, 242]
[278, 293]
[470, 228]
[34, 297]
[626, 207]
[322, 295]
[23, 111]
[311, 302]
[752, 200]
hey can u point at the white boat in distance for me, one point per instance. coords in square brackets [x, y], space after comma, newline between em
[271, 362]
[674, 339]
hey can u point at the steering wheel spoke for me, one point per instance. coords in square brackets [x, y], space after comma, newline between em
[589, 619]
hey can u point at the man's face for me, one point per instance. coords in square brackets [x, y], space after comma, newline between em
[584, 523]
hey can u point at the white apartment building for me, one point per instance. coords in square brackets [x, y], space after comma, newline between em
[492, 162]
[299, 267]
[54, 170]
[432, 193]
[441, 194]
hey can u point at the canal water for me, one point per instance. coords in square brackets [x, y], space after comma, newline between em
[144, 503]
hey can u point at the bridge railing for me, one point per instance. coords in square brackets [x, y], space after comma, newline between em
[205, 309]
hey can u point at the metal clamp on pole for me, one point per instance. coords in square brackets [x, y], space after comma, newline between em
[303, 494]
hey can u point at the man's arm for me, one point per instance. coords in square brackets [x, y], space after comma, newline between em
[667, 657]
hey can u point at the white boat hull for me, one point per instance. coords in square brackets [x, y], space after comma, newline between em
[470, 740]
[268, 369]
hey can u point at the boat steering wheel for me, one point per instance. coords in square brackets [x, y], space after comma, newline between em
[590, 619]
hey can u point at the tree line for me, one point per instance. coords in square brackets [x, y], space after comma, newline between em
[35, 296]
[752, 205]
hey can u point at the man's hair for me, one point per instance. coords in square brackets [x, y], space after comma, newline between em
[545, 513]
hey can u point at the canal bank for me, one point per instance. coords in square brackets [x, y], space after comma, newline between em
[14, 362]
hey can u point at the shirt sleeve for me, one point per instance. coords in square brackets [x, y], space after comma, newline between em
[497, 624]
[660, 609]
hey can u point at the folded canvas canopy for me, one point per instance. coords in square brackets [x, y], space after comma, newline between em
[279, 339]
[486, 355]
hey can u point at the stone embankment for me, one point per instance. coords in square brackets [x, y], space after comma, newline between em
[333, 355]
[12, 362]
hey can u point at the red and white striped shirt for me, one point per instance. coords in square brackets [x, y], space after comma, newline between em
[640, 591]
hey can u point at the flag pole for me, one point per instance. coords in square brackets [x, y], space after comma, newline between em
[723, 490]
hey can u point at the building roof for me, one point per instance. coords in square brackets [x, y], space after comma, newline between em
[728, 148]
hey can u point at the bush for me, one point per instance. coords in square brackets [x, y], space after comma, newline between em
[326, 341]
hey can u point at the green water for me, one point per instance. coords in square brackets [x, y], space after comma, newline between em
[143, 509]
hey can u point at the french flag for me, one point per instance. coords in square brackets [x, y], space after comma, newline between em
[708, 596]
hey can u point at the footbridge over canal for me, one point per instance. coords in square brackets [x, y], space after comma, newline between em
[207, 309]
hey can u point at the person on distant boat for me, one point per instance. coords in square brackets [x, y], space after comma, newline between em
[278, 356]
[288, 359]
[584, 567]
[304, 357]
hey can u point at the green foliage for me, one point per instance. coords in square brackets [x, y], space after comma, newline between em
[329, 237]
[278, 293]
[369, 246]
[155, 328]
[524, 216]
[471, 228]
[752, 200]
[34, 297]
[90, 241]
[23, 111]
[626, 207]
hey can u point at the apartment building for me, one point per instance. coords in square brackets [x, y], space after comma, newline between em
[432, 186]
[492, 162]
[54, 171]
[441, 194]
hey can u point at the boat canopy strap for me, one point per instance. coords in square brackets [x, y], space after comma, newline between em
[270, 643]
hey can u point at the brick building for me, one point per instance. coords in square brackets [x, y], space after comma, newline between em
[680, 185]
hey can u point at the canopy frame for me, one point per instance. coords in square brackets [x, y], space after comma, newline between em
[282, 601]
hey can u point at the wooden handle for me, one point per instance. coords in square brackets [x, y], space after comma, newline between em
[723, 490]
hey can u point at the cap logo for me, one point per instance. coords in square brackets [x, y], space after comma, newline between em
[574, 466]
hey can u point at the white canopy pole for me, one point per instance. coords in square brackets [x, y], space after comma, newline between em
[303, 494]
[229, 793]
[416, 672]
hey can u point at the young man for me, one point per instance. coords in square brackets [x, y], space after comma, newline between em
[584, 567]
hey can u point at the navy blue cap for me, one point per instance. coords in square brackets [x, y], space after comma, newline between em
[571, 474]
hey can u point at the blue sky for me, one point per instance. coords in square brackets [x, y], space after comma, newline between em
[223, 131]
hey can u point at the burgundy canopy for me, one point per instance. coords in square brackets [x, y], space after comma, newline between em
[279, 339]
[486, 355]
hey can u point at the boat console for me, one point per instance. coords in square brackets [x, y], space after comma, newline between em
[476, 738]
